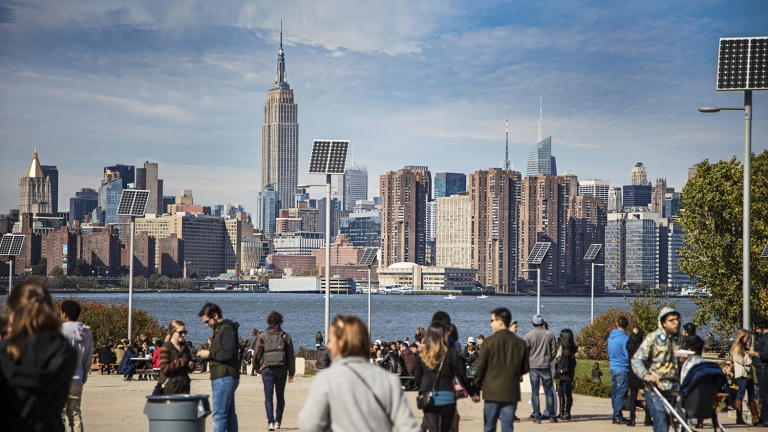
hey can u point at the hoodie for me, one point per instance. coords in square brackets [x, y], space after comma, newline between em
[34, 390]
[657, 354]
[79, 336]
[617, 350]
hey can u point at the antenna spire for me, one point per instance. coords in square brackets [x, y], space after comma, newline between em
[506, 165]
[281, 34]
[541, 100]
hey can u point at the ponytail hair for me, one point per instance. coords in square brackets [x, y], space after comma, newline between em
[32, 313]
[175, 324]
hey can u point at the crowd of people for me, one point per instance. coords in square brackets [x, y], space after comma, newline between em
[45, 357]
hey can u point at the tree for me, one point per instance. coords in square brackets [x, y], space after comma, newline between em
[711, 219]
[593, 339]
[646, 309]
[41, 268]
[82, 268]
[56, 271]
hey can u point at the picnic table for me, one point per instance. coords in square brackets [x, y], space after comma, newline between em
[144, 367]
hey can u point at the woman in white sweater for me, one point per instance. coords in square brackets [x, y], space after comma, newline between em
[742, 373]
[352, 394]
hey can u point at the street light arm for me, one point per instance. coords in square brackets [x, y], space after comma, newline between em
[711, 110]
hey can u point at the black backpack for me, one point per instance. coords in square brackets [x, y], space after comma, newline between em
[274, 349]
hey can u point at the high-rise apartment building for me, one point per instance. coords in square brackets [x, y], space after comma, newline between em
[280, 137]
[170, 256]
[671, 205]
[431, 220]
[494, 198]
[595, 187]
[82, 204]
[101, 249]
[447, 184]
[362, 228]
[233, 234]
[266, 210]
[631, 249]
[615, 201]
[59, 248]
[52, 172]
[454, 231]
[35, 190]
[355, 186]
[321, 216]
[585, 227]
[144, 253]
[676, 279]
[404, 197]
[310, 217]
[638, 176]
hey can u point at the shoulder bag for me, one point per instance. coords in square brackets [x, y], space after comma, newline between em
[427, 399]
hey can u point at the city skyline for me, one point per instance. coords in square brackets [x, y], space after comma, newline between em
[127, 83]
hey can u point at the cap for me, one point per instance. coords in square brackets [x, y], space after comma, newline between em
[760, 321]
[538, 320]
[470, 340]
[377, 341]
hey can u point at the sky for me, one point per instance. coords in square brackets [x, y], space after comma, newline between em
[183, 83]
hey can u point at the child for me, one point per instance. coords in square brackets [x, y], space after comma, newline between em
[597, 374]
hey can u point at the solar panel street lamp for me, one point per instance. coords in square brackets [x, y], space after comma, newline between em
[369, 256]
[765, 252]
[536, 257]
[133, 203]
[742, 65]
[591, 256]
[329, 157]
[10, 246]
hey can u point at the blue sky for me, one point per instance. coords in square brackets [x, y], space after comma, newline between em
[183, 83]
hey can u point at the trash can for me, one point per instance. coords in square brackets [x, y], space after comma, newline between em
[177, 413]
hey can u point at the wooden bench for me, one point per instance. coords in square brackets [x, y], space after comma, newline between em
[100, 367]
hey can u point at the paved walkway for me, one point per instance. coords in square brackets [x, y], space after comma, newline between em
[112, 404]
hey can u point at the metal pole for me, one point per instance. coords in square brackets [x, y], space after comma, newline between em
[130, 284]
[592, 305]
[369, 301]
[538, 289]
[10, 276]
[327, 255]
[746, 216]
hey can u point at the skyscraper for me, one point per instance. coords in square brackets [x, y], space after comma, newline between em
[638, 176]
[615, 201]
[636, 196]
[280, 137]
[35, 194]
[109, 196]
[52, 172]
[82, 204]
[447, 184]
[595, 187]
[266, 210]
[540, 159]
[631, 249]
[454, 231]
[585, 226]
[659, 194]
[404, 197]
[147, 179]
[355, 186]
[493, 196]
[127, 173]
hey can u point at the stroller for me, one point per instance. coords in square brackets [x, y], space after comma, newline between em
[701, 381]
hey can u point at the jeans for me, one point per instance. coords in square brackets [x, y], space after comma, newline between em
[619, 387]
[71, 414]
[747, 386]
[543, 376]
[440, 418]
[274, 379]
[492, 411]
[223, 392]
[658, 414]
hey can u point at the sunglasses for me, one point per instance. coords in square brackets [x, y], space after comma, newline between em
[183, 332]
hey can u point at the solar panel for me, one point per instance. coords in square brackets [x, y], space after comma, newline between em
[133, 202]
[11, 244]
[593, 251]
[328, 157]
[538, 253]
[765, 252]
[369, 256]
[742, 64]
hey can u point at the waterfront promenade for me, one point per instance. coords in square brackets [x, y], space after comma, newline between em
[112, 404]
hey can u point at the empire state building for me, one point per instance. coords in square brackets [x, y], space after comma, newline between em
[280, 138]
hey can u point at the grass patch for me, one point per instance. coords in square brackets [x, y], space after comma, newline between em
[583, 380]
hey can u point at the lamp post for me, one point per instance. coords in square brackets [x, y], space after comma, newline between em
[746, 210]
[133, 203]
[536, 257]
[538, 287]
[369, 256]
[591, 256]
[592, 304]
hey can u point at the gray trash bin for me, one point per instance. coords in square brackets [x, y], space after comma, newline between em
[177, 413]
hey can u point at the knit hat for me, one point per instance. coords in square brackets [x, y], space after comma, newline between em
[538, 320]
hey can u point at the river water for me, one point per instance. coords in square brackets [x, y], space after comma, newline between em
[395, 317]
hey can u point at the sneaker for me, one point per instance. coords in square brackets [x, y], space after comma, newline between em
[537, 421]
[277, 425]
[271, 427]
[619, 421]
[553, 420]
[516, 420]
[631, 423]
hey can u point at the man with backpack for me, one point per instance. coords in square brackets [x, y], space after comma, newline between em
[276, 362]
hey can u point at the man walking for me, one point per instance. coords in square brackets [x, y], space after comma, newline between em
[276, 361]
[79, 336]
[224, 363]
[502, 363]
[656, 364]
[542, 351]
[619, 358]
[759, 354]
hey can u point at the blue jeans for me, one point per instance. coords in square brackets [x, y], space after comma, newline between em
[656, 409]
[543, 377]
[492, 411]
[619, 388]
[274, 379]
[223, 392]
[746, 386]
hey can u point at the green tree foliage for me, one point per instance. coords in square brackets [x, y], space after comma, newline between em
[593, 339]
[646, 309]
[584, 385]
[82, 268]
[41, 268]
[56, 271]
[712, 222]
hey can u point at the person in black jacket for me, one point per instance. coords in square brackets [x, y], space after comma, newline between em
[106, 355]
[323, 359]
[36, 363]
[635, 383]
[565, 371]
[692, 341]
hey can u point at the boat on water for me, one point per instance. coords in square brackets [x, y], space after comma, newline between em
[482, 296]
[695, 292]
[450, 297]
[396, 289]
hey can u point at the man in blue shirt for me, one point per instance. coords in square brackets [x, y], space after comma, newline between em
[619, 357]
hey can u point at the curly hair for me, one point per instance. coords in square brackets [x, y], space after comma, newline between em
[274, 319]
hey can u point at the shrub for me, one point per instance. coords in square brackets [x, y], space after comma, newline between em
[593, 339]
[583, 385]
[646, 308]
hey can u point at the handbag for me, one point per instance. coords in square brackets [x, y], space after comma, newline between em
[427, 399]
[459, 389]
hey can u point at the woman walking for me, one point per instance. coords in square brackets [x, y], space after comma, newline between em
[435, 369]
[353, 394]
[566, 369]
[742, 372]
[175, 361]
[636, 383]
[36, 363]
